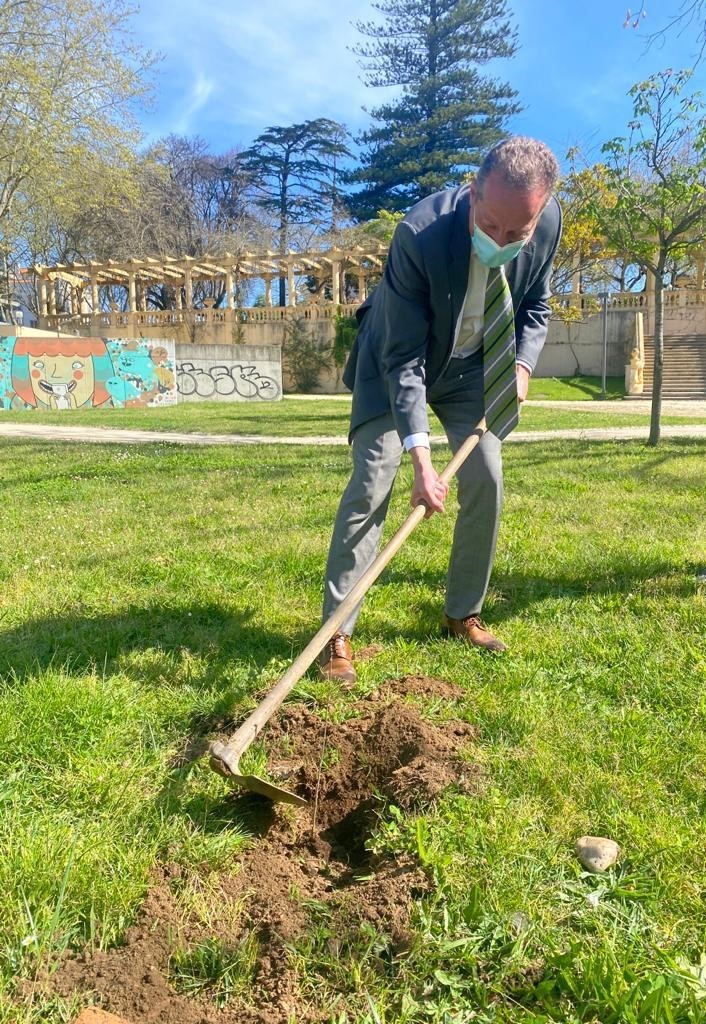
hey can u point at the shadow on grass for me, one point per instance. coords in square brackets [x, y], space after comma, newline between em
[519, 591]
[78, 644]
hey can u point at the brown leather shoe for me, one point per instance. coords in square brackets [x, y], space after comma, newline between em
[472, 630]
[336, 660]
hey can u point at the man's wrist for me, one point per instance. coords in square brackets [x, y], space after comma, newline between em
[418, 440]
[421, 458]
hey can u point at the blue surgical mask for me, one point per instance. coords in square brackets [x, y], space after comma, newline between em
[490, 253]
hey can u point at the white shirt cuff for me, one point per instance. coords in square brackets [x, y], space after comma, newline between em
[416, 441]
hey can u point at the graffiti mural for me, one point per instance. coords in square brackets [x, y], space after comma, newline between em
[78, 373]
[229, 373]
[221, 381]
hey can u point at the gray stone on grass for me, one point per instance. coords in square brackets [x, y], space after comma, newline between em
[597, 853]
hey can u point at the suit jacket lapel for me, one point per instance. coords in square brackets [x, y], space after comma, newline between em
[460, 255]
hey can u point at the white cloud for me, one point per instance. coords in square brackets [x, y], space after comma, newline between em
[201, 91]
[246, 67]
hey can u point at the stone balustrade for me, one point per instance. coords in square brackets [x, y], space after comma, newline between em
[177, 318]
[684, 313]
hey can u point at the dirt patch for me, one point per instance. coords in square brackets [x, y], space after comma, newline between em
[304, 868]
[421, 686]
[369, 652]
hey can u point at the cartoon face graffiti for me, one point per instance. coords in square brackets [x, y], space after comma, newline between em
[61, 373]
[63, 382]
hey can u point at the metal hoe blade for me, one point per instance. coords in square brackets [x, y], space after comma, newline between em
[251, 782]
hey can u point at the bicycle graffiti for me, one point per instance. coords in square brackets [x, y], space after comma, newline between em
[225, 381]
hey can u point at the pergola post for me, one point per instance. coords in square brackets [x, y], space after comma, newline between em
[268, 290]
[131, 293]
[230, 297]
[177, 295]
[95, 298]
[43, 299]
[291, 290]
[362, 286]
[700, 268]
[188, 296]
[336, 282]
[52, 298]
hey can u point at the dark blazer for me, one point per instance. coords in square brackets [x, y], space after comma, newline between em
[407, 326]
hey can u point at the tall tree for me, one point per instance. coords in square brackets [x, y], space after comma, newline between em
[448, 114]
[296, 169]
[70, 75]
[657, 175]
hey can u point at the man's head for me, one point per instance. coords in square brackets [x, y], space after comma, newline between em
[512, 187]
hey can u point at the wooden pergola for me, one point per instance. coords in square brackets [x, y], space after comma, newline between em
[80, 283]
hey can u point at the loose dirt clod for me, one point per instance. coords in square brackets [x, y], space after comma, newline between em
[91, 1015]
[303, 869]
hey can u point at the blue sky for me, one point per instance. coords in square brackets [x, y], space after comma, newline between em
[244, 65]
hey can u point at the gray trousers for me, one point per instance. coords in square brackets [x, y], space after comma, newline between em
[457, 399]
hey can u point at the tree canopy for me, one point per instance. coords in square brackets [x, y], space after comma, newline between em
[296, 173]
[448, 114]
[70, 76]
[657, 176]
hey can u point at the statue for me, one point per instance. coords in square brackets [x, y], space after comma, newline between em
[635, 369]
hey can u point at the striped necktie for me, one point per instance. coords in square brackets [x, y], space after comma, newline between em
[499, 373]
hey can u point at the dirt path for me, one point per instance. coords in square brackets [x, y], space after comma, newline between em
[100, 435]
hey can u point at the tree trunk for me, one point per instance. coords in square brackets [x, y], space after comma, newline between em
[658, 357]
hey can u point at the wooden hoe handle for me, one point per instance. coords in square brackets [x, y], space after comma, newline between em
[253, 724]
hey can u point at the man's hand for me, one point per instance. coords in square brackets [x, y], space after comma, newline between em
[523, 376]
[428, 489]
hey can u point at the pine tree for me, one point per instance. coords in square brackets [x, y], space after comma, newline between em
[294, 168]
[449, 115]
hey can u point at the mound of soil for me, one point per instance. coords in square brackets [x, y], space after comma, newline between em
[305, 866]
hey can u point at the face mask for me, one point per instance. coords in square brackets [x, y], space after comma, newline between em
[490, 253]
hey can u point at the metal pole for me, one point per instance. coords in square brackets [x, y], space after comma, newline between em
[604, 296]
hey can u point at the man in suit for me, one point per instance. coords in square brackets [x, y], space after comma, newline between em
[465, 267]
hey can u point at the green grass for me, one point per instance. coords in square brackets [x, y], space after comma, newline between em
[326, 417]
[575, 389]
[300, 417]
[145, 592]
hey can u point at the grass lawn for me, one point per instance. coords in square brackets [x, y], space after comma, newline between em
[148, 592]
[575, 389]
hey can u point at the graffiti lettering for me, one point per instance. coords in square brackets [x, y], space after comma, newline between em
[244, 381]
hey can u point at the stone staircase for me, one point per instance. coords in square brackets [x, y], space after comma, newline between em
[684, 370]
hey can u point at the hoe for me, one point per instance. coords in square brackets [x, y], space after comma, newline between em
[225, 757]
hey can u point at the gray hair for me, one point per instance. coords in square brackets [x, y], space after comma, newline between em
[523, 163]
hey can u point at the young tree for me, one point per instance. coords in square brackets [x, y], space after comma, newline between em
[295, 170]
[448, 114]
[658, 177]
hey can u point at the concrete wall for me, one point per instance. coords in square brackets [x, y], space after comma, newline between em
[570, 349]
[262, 344]
[229, 373]
[577, 348]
